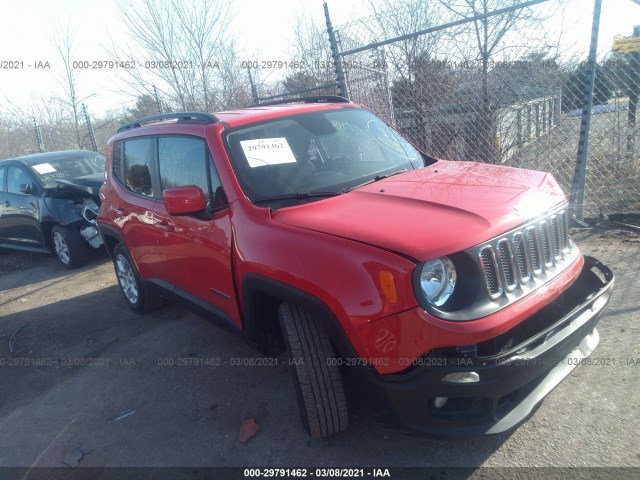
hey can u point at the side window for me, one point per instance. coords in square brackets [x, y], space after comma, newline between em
[138, 165]
[117, 162]
[2, 175]
[182, 161]
[18, 181]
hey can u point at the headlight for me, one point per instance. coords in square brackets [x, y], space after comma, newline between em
[437, 280]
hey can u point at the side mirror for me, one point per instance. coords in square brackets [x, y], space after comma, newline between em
[25, 188]
[184, 200]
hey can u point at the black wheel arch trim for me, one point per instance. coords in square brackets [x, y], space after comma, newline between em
[253, 284]
[106, 230]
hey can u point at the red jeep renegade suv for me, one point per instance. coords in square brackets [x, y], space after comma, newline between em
[312, 225]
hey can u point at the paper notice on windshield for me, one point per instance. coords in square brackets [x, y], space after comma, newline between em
[43, 168]
[267, 151]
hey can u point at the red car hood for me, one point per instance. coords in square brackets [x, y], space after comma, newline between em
[434, 211]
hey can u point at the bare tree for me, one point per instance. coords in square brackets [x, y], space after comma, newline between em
[311, 54]
[406, 64]
[488, 34]
[50, 114]
[63, 40]
[182, 47]
[15, 138]
[145, 106]
[233, 89]
[394, 18]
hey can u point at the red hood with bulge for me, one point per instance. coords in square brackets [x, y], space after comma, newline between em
[433, 211]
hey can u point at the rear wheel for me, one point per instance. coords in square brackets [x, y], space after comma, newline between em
[139, 297]
[321, 398]
[69, 246]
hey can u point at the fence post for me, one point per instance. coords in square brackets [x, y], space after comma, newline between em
[576, 199]
[92, 136]
[633, 97]
[335, 53]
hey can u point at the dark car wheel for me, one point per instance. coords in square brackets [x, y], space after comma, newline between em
[139, 297]
[69, 246]
[321, 398]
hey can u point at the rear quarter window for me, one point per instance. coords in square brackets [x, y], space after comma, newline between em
[138, 166]
[117, 162]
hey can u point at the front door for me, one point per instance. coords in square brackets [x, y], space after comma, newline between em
[196, 249]
[19, 209]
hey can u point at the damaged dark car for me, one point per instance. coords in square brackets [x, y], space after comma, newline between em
[49, 203]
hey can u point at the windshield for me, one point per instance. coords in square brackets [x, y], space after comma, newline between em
[321, 152]
[68, 167]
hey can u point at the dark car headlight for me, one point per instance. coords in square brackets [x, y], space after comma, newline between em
[437, 280]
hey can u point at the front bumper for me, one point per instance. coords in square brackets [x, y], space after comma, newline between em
[514, 375]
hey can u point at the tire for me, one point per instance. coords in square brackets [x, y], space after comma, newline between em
[321, 398]
[69, 246]
[139, 297]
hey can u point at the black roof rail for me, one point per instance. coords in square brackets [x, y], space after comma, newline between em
[184, 117]
[316, 99]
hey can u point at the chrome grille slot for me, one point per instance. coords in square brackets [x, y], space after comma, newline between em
[524, 265]
[555, 237]
[527, 257]
[546, 243]
[563, 231]
[491, 273]
[533, 248]
[507, 264]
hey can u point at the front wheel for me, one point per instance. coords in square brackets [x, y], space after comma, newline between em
[69, 246]
[321, 398]
[139, 297]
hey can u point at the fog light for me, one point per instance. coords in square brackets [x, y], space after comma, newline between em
[439, 402]
[462, 377]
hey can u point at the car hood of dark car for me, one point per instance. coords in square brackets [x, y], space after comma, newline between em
[87, 183]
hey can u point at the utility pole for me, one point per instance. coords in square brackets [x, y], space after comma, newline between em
[92, 136]
[39, 142]
[158, 101]
[254, 90]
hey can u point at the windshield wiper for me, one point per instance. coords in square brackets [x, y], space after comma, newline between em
[297, 196]
[377, 178]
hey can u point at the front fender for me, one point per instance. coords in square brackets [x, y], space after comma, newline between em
[341, 275]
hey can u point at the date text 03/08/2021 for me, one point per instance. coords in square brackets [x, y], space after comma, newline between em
[316, 472]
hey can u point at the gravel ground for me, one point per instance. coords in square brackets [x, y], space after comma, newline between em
[90, 383]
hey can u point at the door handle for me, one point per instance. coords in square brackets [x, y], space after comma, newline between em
[164, 225]
[7, 203]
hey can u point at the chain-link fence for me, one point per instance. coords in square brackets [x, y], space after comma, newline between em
[507, 88]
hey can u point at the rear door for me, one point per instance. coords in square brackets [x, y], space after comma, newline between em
[134, 207]
[196, 249]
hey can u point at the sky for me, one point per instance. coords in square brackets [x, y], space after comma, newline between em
[259, 24]
[28, 26]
